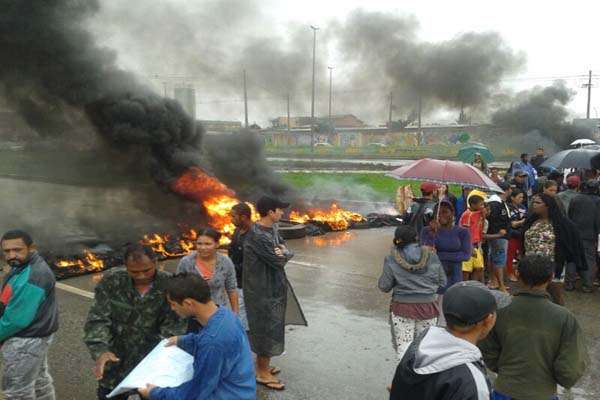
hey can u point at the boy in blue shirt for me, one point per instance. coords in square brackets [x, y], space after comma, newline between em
[223, 366]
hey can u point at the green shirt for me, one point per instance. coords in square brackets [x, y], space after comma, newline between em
[128, 324]
[534, 346]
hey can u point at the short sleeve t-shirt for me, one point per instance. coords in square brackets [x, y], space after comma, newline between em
[473, 221]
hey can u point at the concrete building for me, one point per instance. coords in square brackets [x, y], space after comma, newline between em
[338, 121]
[381, 136]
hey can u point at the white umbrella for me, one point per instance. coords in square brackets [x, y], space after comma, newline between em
[582, 142]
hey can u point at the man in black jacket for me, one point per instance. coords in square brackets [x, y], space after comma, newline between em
[584, 211]
[420, 213]
[445, 363]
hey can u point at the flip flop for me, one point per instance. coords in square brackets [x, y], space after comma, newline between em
[274, 370]
[273, 385]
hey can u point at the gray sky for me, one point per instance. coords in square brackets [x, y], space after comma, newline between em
[555, 36]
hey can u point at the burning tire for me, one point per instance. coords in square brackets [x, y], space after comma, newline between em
[292, 231]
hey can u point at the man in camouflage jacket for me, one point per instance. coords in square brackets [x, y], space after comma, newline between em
[129, 317]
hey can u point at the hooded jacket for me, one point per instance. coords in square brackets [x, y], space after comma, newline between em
[414, 273]
[440, 366]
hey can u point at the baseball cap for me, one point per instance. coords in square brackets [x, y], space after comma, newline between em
[573, 181]
[429, 187]
[520, 173]
[502, 298]
[266, 203]
[504, 186]
[468, 304]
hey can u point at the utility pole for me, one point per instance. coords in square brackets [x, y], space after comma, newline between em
[330, 92]
[312, 102]
[419, 116]
[288, 115]
[245, 103]
[589, 88]
[390, 112]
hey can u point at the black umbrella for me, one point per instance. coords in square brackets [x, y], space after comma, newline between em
[573, 158]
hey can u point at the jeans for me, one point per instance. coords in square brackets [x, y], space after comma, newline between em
[26, 375]
[453, 273]
[497, 252]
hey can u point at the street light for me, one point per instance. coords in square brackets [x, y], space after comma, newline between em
[312, 102]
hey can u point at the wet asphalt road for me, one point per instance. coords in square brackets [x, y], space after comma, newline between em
[344, 353]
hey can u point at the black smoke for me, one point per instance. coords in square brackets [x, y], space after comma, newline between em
[239, 162]
[51, 65]
[458, 73]
[542, 110]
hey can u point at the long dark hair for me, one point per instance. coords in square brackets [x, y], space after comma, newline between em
[554, 214]
[556, 217]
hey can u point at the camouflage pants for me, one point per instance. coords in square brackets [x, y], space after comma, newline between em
[26, 375]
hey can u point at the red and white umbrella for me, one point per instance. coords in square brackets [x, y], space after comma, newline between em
[445, 172]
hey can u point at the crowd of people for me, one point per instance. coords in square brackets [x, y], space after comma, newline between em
[476, 283]
[454, 312]
[209, 308]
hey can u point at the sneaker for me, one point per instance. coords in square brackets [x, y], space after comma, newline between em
[558, 280]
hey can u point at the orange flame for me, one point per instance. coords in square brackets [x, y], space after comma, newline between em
[90, 263]
[337, 218]
[216, 198]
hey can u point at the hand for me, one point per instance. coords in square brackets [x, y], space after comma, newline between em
[434, 225]
[145, 392]
[502, 232]
[101, 362]
[278, 252]
[172, 341]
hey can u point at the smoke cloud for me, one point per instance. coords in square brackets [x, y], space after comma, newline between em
[239, 162]
[542, 111]
[461, 72]
[212, 42]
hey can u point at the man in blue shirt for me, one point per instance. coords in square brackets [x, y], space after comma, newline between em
[223, 366]
[525, 165]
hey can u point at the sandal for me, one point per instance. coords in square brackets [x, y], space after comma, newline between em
[274, 370]
[273, 385]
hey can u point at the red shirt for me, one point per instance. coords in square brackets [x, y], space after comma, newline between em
[473, 221]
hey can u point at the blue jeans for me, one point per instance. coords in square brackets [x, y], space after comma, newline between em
[500, 396]
[497, 252]
[453, 273]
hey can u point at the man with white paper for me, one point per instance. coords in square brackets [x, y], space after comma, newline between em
[223, 366]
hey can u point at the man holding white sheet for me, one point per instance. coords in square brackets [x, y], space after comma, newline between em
[223, 366]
